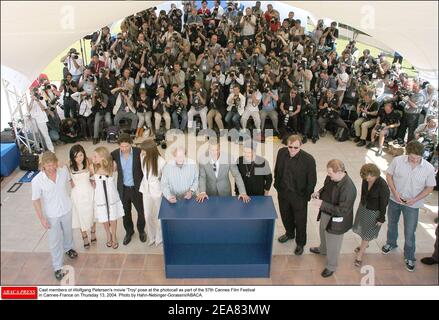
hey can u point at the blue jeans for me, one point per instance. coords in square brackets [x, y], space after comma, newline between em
[175, 120]
[310, 127]
[410, 216]
[233, 119]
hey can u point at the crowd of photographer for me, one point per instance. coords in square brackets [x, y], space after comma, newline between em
[216, 68]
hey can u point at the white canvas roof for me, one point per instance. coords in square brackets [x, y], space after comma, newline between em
[34, 32]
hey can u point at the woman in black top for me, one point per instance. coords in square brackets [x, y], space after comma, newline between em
[372, 208]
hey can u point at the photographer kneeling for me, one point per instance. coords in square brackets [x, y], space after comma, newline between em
[124, 108]
[328, 112]
[387, 122]
[101, 111]
[179, 103]
[367, 117]
[235, 108]
[309, 112]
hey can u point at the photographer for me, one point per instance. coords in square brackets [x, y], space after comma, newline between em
[324, 83]
[179, 104]
[37, 110]
[234, 78]
[70, 131]
[216, 75]
[367, 116]
[107, 82]
[430, 104]
[386, 124]
[144, 80]
[101, 110]
[342, 82]
[113, 63]
[248, 25]
[235, 108]
[161, 107]
[366, 64]
[177, 76]
[309, 116]
[87, 82]
[297, 30]
[331, 35]
[186, 58]
[124, 107]
[85, 115]
[272, 18]
[413, 102]
[269, 105]
[217, 11]
[328, 112]
[257, 60]
[290, 108]
[74, 64]
[144, 112]
[159, 78]
[197, 99]
[175, 15]
[253, 98]
[69, 87]
[96, 64]
[204, 12]
[205, 61]
[216, 106]
[302, 76]
[428, 130]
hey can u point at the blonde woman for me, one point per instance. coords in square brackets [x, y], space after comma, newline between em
[152, 166]
[108, 207]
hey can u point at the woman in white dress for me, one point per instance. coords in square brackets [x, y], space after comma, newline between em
[108, 207]
[82, 194]
[152, 166]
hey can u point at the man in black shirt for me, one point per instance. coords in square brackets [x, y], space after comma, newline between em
[290, 108]
[295, 177]
[255, 172]
[387, 122]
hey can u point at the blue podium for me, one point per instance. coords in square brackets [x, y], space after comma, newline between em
[10, 158]
[219, 238]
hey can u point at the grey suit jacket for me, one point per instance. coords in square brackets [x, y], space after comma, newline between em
[220, 186]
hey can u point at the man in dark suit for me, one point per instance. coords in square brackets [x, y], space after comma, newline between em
[295, 178]
[127, 162]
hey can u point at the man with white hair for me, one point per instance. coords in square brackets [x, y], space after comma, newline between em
[430, 104]
[179, 177]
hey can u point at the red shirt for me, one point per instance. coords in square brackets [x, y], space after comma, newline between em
[37, 82]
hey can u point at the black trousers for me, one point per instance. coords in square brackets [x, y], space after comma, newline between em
[294, 213]
[132, 196]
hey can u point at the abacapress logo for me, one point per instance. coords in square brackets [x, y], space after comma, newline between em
[19, 292]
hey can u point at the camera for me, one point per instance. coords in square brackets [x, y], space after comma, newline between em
[287, 116]
[379, 128]
[91, 78]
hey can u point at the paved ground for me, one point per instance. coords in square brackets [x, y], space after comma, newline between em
[25, 258]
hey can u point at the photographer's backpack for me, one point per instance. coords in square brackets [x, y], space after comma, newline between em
[29, 161]
[112, 134]
[342, 134]
[348, 113]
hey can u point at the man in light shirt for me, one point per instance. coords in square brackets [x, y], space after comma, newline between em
[51, 200]
[74, 64]
[179, 177]
[410, 179]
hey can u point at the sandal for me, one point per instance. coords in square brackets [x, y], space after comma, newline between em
[109, 244]
[357, 249]
[115, 245]
[93, 239]
[86, 245]
[358, 263]
[72, 254]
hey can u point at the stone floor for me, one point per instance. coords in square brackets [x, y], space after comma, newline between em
[25, 258]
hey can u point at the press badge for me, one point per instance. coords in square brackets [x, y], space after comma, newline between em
[337, 219]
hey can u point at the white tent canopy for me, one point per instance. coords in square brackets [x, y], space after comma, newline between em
[34, 32]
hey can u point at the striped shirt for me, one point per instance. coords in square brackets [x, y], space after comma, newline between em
[409, 182]
[178, 180]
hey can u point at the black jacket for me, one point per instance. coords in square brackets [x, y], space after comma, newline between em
[306, 174]
[137, 169]
[338, 203]
[377, 198]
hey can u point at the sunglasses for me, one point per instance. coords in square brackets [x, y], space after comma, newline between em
[291, 147]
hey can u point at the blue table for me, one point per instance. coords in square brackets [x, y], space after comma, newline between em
[10, 158]
[220, 238]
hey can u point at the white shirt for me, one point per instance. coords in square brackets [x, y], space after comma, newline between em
[248, 29]
[85, 105]
[250, 106]
[344, 77]
[410, 182]
[71, 66]
[54, 197]
[36, 113]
